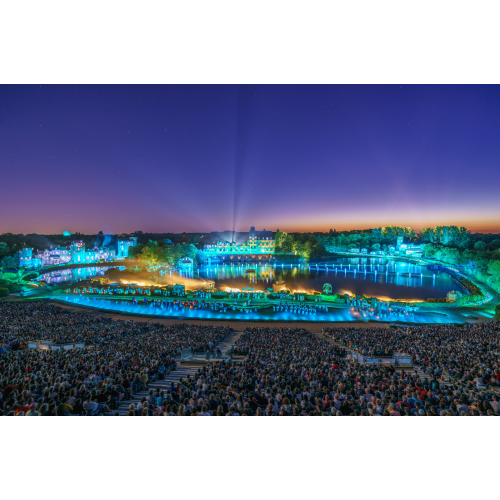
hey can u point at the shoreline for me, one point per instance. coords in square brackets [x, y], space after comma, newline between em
[449, 313]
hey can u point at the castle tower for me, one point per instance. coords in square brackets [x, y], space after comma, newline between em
[26, 254]
[399, 242]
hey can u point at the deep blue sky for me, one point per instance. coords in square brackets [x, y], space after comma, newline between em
[204, 158]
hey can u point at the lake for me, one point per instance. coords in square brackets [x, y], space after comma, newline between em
[383, 278]
[373, 277]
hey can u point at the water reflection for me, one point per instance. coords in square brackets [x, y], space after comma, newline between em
[75, 274]
[372, 277]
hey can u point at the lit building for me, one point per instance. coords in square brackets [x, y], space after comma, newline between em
[78, 254]
[453, 296]
[258, 245]
[124, 245]
[185, 264]
[27, 260]
[408, 248]
[75, 254]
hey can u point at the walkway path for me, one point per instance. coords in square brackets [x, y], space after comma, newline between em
[182, 371]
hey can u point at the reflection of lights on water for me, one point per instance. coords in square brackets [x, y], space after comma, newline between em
[222, 272]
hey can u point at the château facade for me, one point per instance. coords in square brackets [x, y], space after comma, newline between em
[258, 245]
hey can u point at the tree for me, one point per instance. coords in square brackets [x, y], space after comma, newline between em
[302, 248]
[4, 249]
[135, 251]
[494, 270]
[480, 245]
[430, 251]
[392, 232]
[427, 235]
[201, 256]
[453, 235]
[354, 239]
[287, 244]
[451, 255]
[376, 235]
[186, 250]
[10, 262]
[279, 238]
[154, 253]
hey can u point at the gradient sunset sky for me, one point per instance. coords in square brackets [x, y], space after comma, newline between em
[211, 158]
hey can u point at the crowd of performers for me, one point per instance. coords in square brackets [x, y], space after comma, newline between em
[176, 304]
[299, 308]
[294, 304]
[125, 291]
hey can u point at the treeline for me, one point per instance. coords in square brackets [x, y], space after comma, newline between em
[371, 239]
[305, 245]
[155, 253]
[381, 238]
[485, 262]
[193, 238]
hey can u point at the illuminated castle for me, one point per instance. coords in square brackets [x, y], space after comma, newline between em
[258, 244]
[78, 253]
[75, 254]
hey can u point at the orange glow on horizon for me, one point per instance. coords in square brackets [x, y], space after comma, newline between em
[483, 227]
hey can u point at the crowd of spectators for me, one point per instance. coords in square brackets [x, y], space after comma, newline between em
[290, 371]
[460, 354]
[119, 359]
[274, 371]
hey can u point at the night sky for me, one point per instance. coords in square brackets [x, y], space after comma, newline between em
[211, 158]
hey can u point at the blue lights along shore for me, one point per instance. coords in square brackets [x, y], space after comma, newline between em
[334, 316]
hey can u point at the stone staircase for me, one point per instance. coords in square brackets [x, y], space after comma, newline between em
[182, 371]
[420, 373]
[229, 341]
